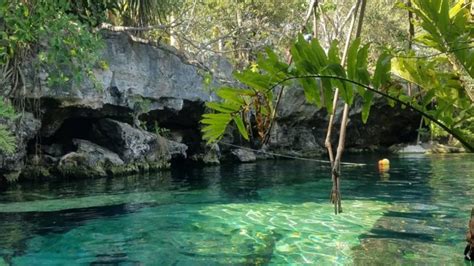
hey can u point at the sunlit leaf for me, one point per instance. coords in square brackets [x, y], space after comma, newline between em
[352, 59]
[368, 96]
[241, 127]
[382, 70]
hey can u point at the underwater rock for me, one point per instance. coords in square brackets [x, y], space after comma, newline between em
[404, 148]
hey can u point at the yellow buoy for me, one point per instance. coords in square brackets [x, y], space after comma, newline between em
[384, 165]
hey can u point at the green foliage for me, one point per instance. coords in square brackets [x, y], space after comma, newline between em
[48, 34]
[310, 60]
[140, 105]
[146, 12]
[6, 110]
[7, 140]
[436, 85]
[238, 30]
[446, 78]
[317, 72]
[233, 106]
[444, 95]
[240, 105]
[450, 31]
[160, 131]
[45, 35]
[93, 12]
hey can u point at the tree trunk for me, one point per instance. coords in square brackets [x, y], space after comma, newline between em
[173, 39]
[336, 167]
[464, 76]
[315, 20]
[411, 26]
[327, 142]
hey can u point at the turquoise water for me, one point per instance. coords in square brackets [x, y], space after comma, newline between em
[272, 212]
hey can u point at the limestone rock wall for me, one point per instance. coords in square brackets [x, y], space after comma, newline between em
[143, 111]
[301, 127]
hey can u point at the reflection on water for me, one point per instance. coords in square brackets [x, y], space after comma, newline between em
[267, 212]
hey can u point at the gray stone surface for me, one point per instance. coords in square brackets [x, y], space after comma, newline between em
[55, 149]
[174, 148]
[302, 127]
[24, 130]
[89, 160]
[96, 153]
[407, 149]
[130, 143]
[244, 156]
[141, 79]
[136, 72]
[212, 154]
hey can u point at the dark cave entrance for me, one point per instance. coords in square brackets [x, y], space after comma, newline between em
[61, 141]
[180, 126]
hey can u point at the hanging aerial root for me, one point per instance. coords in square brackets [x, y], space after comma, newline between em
[335, 196]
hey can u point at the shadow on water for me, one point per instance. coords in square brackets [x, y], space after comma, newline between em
[19, 227]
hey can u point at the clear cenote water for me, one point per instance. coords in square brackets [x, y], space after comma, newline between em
[272, 212]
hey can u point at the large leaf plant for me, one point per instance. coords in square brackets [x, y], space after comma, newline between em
[443, 100]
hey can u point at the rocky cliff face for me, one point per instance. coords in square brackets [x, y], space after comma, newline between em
[145, 113]
[142, 112]
[25, 130]
[301, 128]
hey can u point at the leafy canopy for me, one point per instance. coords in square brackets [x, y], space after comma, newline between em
[444, 96]
[445, 78]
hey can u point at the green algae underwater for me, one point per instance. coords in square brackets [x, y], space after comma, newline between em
[270, 212]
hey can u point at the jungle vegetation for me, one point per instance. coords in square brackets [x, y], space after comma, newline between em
[421, 56]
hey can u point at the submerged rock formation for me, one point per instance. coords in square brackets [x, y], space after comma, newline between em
[143, 111]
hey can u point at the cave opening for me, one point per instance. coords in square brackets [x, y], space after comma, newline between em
[180, 126]
[61, 141]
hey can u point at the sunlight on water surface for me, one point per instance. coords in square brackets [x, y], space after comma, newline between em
[265, 213]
